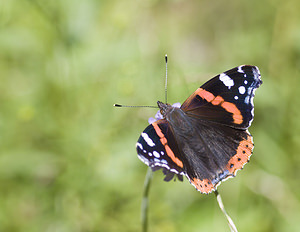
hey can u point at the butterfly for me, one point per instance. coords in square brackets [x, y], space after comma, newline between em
[205, 139]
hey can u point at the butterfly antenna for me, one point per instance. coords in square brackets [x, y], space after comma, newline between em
[166, 92]
[118, 105]
[166, 83]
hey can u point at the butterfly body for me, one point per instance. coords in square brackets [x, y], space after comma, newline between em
[207, 138]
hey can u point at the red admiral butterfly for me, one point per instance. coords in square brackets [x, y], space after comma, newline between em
[206, 139]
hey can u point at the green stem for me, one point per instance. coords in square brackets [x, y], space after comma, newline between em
[145, 200]
[229, 220]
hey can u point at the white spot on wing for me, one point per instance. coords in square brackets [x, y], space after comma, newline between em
[139, 145]
[226, 80]
[148, 140]
[247, 99]
[240, 70]
[156, 154]
[236, 97]
[245, 82]
[242, 89]
[143, 159]
[156, 160]
[164, 161]
[251, 100]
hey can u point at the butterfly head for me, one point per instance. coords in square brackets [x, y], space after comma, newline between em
[164, 108]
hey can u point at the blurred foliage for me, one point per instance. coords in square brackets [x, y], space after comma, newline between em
[67, 157]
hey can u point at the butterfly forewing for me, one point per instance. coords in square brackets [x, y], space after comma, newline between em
[227, 98]
[157, 146]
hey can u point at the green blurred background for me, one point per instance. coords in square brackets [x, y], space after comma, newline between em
[67, 157]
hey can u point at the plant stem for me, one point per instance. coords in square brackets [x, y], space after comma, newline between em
[229, 220]
[145, 200]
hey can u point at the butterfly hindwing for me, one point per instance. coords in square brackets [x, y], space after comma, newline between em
[212, 152]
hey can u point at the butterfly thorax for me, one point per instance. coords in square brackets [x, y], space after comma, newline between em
[175, 116]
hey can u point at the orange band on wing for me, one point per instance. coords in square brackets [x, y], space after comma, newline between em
[205, 94]
[218, 100]
[204, 186]
[243, 153]
[231, 108]
[164, 142]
